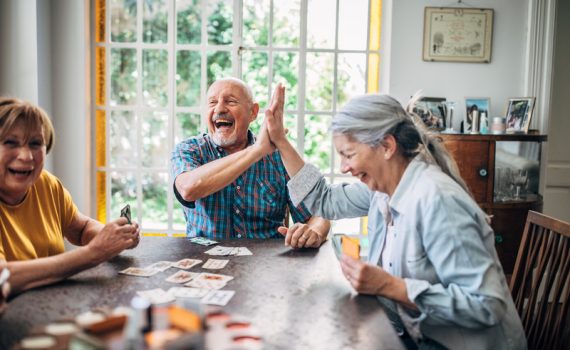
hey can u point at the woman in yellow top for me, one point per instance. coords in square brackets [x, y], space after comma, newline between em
[37, 212]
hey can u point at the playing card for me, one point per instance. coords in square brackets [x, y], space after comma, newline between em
[206, 284]
[182, 277]
[156, 296]
[218, 297]
[244, 251]
[202, 241]
[215, 264]
[187, 263]
[126, 213]
[220, 250]
[137, 271]
[160, 266]
[183, 292]
[350, 246]
[209, 281]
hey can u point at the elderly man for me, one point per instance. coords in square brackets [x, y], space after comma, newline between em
[227, 187]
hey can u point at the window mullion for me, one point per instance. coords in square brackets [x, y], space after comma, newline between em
[172, 34]
[302, 79]
[139, 110]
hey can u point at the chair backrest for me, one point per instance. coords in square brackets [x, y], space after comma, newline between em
[540, 284]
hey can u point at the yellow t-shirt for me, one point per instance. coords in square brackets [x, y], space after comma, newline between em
[34, 228]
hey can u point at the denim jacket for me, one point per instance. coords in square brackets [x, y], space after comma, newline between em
[443, 249]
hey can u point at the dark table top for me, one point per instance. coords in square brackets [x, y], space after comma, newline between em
[298, 299]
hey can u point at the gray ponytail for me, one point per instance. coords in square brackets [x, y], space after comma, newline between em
[369, 118]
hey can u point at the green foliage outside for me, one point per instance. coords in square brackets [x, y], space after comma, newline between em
[123, 85]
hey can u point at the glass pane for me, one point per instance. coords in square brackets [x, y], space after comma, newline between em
[123, 139]
[351, 79]
[219, 65]
[188, 21]
[178, 220]
[319, 81]
[123, 192]
[318, 141]
[286, 23]
[123, 76]
[255, 22]
[155, 77]
[187, 125]
[155, 21]
[220, 22]
[285, 71]
[321, 21]
[123, 21]
[153, 134]
[517, 171]
[353, 24]
[291, 125]
[154, 196]
[188, 78]
[255, 73]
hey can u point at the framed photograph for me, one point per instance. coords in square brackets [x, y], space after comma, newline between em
[519, 112]
[431, 111]
[479, 104]
[455, 34]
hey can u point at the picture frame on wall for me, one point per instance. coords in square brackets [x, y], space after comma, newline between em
[479, 104]
[455, 34]
[518, 114]
[431, 110]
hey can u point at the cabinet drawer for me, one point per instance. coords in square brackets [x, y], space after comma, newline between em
[472, 158]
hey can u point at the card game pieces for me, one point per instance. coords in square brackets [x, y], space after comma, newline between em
[182, 277]
[126, 213]
[215, 264]
[185, 292]
[160, 266]
[156, 296]
[139, 272]
[4, 275]
[209, 281]
[350, 246]
[203, 241]
[221, 250]
[218, 297]
[187, 263]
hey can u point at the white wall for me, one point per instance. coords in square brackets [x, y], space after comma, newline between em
[557, 192]
[500, 79]
[44, 61]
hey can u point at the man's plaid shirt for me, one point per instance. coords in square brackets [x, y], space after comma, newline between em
[252, 206]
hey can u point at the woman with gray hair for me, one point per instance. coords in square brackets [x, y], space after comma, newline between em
[432, 255]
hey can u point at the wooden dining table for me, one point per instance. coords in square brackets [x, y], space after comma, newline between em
[296, 298]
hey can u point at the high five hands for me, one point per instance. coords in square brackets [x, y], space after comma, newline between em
[272, 131]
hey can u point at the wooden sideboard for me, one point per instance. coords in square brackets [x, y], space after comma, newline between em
[478, 157]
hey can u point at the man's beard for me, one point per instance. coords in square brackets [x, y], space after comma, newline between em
[224, 141]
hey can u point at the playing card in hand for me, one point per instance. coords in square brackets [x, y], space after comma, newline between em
[126, 213]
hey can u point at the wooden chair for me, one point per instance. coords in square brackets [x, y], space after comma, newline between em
[540, 284]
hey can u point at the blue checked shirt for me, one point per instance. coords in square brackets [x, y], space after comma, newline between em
[252, 206]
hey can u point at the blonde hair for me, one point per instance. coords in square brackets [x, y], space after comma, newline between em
[14, 111]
